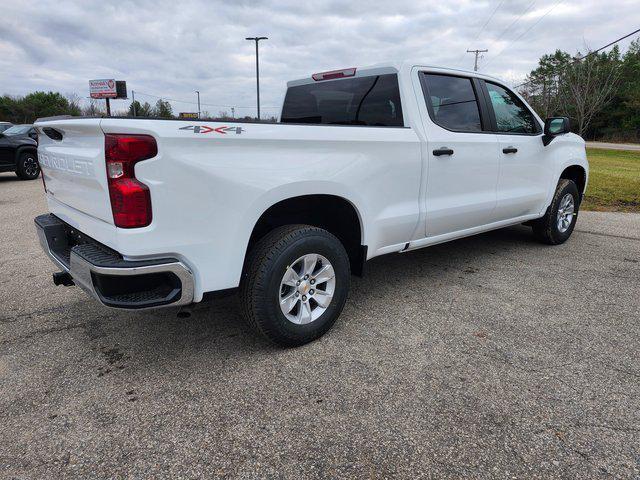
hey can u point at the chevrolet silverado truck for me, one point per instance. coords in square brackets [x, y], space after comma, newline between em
[149, 213]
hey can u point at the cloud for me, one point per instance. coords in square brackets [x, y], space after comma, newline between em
[171, 49]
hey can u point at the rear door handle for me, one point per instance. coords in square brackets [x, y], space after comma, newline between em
[443, 151]
[510, 150]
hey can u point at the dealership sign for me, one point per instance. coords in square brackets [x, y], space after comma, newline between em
[103, 88]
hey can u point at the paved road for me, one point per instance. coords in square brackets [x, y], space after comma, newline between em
[492, 357]
[615, 146]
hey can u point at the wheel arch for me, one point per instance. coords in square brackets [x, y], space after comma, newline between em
[331, 212]
[578, 174]
[22, 149]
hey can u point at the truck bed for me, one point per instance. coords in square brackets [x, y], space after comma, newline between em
[211, 181]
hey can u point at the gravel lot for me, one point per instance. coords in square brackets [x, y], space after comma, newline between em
[491, 356]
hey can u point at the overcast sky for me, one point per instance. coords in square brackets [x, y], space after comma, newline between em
[171, 48]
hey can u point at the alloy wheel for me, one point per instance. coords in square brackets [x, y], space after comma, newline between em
[307, 288]
[565, 213]
[30, 166]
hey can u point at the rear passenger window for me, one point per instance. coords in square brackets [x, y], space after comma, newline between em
[367, 101]
[511, 114]
[453, 103]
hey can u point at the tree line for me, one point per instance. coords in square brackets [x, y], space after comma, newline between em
[598, 91]
[48, 104]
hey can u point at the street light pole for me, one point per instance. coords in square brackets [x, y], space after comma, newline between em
[257, 39]
[198, 92]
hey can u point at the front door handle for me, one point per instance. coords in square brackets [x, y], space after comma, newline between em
[443, 151]
[510, 150]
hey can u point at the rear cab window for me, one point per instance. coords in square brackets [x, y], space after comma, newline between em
[452, 102]
[360, 101]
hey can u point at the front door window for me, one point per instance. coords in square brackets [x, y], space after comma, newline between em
[511, 114]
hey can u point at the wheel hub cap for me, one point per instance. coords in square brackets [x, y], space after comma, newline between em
[30, 166]
[565, 213]
[307, 288]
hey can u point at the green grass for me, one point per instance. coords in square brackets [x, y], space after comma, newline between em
[614, 181]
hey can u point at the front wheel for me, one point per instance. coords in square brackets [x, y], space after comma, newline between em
[295, 284]
[28, 168]
[560, 218]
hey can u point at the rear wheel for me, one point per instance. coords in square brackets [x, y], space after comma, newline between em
[560, 218]
[28, 168]
[295, 284]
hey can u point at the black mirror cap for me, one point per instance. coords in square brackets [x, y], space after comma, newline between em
[553, 127]
[557, 126]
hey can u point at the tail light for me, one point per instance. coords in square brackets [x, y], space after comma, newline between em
[130, 198]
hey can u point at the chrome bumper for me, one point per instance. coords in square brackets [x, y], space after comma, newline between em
[89, 262]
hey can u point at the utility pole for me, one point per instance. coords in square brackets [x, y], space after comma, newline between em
[108, 107]
[133, 95]
[257, 39]
[198, 92]
[477, 52]
[233, 112]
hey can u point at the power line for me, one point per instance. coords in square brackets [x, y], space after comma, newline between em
[609, 44]
[488, 20]
[512, 24]
[483, 27]
[576, 60]
[525, 32]
[516, 20]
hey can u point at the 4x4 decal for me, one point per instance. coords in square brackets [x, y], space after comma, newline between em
[204, 129]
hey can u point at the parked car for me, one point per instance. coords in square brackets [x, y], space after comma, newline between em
[18, 151]
[364, 162]
[5, 125]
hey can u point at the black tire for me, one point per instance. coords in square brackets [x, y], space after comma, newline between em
[266, 265]
[28, 167]
[546, 229]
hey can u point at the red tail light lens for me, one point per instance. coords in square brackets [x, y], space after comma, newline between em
[130, 198]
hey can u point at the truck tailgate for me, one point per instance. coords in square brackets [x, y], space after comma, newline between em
[71, 156]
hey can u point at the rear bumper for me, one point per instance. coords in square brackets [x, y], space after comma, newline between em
[107, 277]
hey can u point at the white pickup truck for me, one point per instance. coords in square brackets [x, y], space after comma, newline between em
[363, 162]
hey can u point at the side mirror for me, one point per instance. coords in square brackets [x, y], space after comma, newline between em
[553, 127]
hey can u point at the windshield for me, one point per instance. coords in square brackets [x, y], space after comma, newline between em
[17, 130]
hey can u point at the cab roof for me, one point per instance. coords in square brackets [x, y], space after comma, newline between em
[390, 67]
